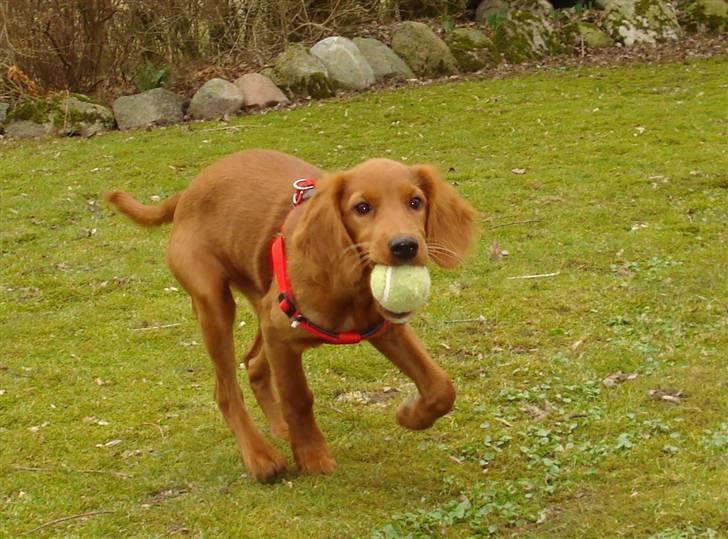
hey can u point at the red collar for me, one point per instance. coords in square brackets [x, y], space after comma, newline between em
[303, 190]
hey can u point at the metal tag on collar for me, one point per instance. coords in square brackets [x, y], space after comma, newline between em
[303, 189]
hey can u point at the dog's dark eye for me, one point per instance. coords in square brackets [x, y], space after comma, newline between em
[363, 208]
[415, 203]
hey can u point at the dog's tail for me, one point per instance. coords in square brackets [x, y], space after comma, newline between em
[142, 214]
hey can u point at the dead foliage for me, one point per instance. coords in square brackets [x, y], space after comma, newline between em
[101, 46]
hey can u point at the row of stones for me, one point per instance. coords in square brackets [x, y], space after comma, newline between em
[525, 30]
[334, 63]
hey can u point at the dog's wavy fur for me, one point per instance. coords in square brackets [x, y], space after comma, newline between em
[223, 226]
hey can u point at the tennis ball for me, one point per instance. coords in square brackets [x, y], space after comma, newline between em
[400, 289]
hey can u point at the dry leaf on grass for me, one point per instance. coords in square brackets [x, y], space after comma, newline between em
[535, 412]
[495, 251]
[617, 378]
[163, 495]
[368, 397]
[110, 443]
[674, 396]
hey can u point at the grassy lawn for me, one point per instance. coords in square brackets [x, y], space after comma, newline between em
[612, 180]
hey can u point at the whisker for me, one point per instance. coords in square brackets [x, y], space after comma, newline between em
[439, 249]
[363, 245]
[362, 257]
[448, 252]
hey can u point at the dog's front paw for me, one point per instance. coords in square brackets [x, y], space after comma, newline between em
[412, 415]
[315, 459]
[265, 464]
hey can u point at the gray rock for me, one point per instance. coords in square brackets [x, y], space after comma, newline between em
[3, 113]
[472, 49]
[641, 22]
[85, 118]
[153, 107]
[527, 32]
[424, 52]
[344, 62]
[259, 91]
[491, 11]
[705, 16]
[215, 99]
[302, 74]
[384, 61]
[27, 129]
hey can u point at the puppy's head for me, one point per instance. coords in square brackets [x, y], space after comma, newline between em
[384, 212]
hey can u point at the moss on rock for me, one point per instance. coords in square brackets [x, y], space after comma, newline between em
[638, 22]
[65, 114]
[705, 16]
[472, 49]
[423, 51]
[527, 32]
[301, 74]
[583, 33]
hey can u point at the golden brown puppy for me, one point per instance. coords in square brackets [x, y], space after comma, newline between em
[379, 212]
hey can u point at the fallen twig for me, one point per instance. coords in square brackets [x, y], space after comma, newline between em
[501, 420]
[225, 128]
[66, 519]
[480, 319]
[537, 276]
[524, 222]
[71, 470]
[149, 328]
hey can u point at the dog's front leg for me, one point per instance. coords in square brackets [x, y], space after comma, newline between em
[436, 393]
[308, 444]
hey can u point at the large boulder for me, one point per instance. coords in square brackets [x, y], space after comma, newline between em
[216, 98]
[27, 129]
[425, 53]
[705, 16]
[301, 74]
[153, 107]
[472, 49]
[85, 118]
[61, 114]
[641, 22]
[527, 32]
[346, 65]
[384, 61]
[259, 91]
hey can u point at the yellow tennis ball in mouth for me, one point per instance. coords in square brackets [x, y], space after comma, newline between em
[400, 289]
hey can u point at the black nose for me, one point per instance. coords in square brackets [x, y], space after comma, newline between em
[403, 248]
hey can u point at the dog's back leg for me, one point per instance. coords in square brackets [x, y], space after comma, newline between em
[206, 282]
[259, 376]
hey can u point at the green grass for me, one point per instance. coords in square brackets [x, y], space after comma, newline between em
[626, 196]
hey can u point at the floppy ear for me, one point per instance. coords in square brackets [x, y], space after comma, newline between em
[450, 226]
[321, 238]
